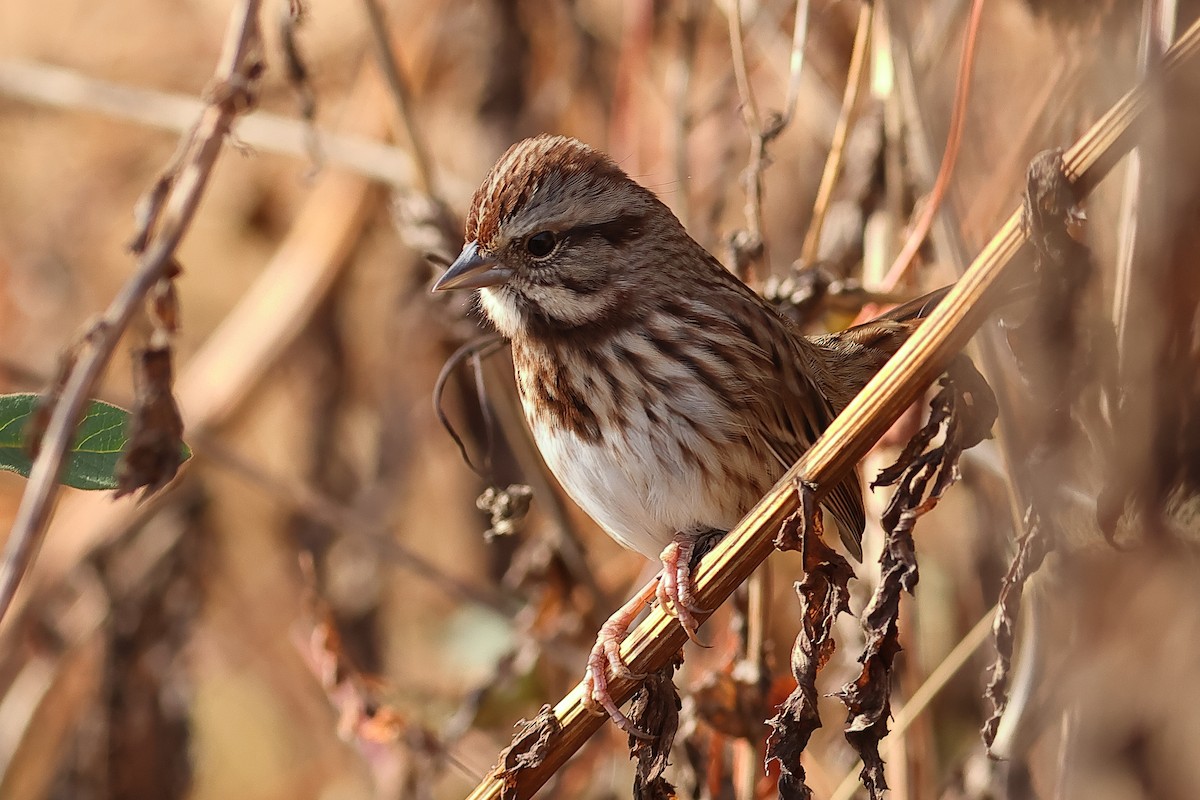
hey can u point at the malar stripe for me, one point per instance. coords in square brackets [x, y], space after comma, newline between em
[567, 406]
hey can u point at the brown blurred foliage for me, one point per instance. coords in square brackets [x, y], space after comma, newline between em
[312, 610]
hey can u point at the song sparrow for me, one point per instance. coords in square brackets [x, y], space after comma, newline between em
[664, 394]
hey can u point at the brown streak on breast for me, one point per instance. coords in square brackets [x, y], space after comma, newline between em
[547, 386]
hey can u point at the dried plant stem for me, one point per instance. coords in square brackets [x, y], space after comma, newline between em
[749, 251]
[239, 353]
[680, 84]
[58, 87]
[796, 60]
[649, 646]
[855, 76]
[941, 184]
[749, 752]
[389, 65]
[234, 74]
[947, 233]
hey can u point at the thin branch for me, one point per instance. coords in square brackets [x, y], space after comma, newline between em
[230, 363]
[389, 64]
[749, 752]
[683, 57]
[855, 76]
[58, 87]
[748, 246]
[944, 333]
[231, 94]
[796, 61]
[941, 185]
[737, 45]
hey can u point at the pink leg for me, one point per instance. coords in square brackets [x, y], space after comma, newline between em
[675, 589]
[606, 655]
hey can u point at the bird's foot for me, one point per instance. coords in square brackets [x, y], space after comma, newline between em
[676, 591]
[606, 655]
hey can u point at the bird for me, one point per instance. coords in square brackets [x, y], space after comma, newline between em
[665, 396]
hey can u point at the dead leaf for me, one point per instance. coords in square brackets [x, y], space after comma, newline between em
[155, 448]
[528, 749]
[962, 413]
[824, 594]
[655, 711]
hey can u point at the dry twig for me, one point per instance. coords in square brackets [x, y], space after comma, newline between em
[941, 184]
[855, 75]
[236, 356]
[389, 64]
[58, 87]
[748, 246]
[231, 94]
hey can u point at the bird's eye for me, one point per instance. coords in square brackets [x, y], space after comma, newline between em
[541, 244]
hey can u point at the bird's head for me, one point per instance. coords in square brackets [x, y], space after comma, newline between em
[559, 237]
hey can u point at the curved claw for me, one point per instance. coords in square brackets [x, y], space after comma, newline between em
[668, 598]
[612, 654]
[605, 656]
[598, 700]
[675, 592]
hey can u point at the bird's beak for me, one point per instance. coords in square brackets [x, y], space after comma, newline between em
[472, 270]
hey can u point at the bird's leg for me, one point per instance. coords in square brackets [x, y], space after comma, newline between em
[605, 655]
[675, 589]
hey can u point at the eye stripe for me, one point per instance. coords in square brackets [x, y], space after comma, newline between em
[617, 232]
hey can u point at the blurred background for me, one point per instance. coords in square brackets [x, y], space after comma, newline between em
[317, 608]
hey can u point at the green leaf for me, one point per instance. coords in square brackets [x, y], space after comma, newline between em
[92, 460]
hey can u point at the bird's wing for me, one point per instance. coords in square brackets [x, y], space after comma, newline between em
[794, 412]
[786, 402]
[797, 422]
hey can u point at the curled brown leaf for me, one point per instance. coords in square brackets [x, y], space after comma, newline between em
[155, 448]
[163, 301]
[655, 710]
[528, 749]
[824, 594]
[962, 412]
[1031, 551]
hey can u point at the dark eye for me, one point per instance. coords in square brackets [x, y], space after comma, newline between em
[541, 244]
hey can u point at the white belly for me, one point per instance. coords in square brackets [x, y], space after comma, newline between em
[641, 487]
